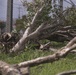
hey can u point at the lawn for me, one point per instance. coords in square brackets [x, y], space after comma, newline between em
[64, 64]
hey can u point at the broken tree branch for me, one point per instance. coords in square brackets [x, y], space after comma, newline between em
[45, 46]
[6, 69]
[25, 39]
[47, 59]
[32, 25]
[51, 58]
[68, 72]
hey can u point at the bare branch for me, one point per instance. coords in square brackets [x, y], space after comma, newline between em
[45, 46]
[6, 69]
[25, 38]
[67, 2]
[68, 72]
[51, 58]
[47, 59]
[72, 3]
[32, 25]
[71, 42]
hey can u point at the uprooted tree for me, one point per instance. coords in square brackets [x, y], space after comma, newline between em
[6, 69]
[44, 26]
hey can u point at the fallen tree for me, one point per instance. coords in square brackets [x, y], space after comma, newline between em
[16, 69]
[51, 29]
[55, 31]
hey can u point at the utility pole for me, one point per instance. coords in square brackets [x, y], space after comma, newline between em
[19, 9]
[60, 10]
[54, 7]
[54, 4]
[61, 5]
[9, 16]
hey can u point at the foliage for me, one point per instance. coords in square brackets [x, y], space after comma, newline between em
[32, 8]
[30, 52]
[2, 24]
[54, 68]
[68, 16]
[35, 5]
[21, 23]
[71, 16]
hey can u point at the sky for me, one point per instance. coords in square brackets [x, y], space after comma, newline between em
[17, 3]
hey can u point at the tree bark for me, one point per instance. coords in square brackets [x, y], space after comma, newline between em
[6, 69]
[51, 58]
[28, 31]
[25, 39]
[68, 72]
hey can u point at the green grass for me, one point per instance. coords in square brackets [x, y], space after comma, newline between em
[54, 68]
[65, 64]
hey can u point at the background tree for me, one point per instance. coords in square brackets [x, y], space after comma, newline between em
[2, 26]
[21, 24]
[70, 15]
